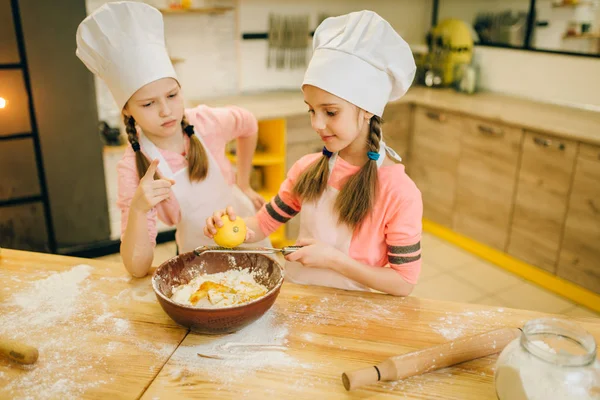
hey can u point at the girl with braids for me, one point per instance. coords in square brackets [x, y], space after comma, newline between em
[175, 168]
[361, 214]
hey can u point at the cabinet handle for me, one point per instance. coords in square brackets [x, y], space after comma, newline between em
[490, 131]
[548, 143]
[436, 116]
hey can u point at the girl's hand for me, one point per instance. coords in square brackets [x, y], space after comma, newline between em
[257, 200]
[214, 222]
[315, 254]
[151, 191]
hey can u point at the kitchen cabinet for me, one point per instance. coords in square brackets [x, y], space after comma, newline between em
[579, 259]
[487, 171]
[434, 156]
[543, 187]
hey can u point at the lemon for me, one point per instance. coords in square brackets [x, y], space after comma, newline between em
[232, 233]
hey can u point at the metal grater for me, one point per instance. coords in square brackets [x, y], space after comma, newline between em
[248, 250]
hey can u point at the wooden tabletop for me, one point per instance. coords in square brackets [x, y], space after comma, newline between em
[111, 338]
[560, 120]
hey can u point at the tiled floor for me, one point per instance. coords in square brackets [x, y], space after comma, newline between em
[449, 273]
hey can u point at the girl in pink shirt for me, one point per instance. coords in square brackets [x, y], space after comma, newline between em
[176, 167]
[360, 213]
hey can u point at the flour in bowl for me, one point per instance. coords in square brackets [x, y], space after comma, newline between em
[224, 289]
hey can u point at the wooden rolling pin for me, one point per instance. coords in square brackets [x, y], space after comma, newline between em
[18, 352]
[432, 358]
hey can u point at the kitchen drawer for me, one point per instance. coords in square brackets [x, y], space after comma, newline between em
[487, 172]
[18, 170]
[435, 152]
[579, 260]
[543, 188]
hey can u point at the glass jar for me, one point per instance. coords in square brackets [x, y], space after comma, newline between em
[552, 360]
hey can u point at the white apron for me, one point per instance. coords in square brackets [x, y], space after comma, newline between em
[199, 200]
[319, 221]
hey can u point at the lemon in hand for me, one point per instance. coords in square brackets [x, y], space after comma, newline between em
[232, 233]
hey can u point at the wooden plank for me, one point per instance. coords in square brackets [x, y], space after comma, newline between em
[486, 181]
[100, 333]
[541, 202]
[323, 332]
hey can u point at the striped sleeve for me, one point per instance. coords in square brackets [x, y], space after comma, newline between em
[403, 236]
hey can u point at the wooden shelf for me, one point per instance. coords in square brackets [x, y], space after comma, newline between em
[262, 159]
[208, 10]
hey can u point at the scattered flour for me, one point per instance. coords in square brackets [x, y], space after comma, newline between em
[78, 313]
[456, 325]
[260, 345]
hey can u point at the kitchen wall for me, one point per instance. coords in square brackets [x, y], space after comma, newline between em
[410, 18]
[541, 76]
[216, 62]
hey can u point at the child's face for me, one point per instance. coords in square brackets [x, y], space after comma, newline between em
[339, 123]
[157, 107]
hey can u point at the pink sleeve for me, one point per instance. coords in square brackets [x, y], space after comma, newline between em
[286, 204]
[226, 123]
[127, 183]
[403, 232]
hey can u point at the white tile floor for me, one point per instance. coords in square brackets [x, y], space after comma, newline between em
[450, 273]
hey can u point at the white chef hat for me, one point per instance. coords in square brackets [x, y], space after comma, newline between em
[123, 43]
[360, 58]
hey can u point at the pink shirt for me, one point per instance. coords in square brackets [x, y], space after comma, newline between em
[217, 126]
[391, 235]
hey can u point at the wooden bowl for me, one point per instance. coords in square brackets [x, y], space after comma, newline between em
[183, 268]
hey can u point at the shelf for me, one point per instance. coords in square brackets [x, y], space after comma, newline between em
[176, 60]
[208, 10]
[262, 159]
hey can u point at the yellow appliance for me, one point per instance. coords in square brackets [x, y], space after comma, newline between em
[450, 45]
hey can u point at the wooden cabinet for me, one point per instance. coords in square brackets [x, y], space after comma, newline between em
[541, 202]
[487, 172]
[397, 126]
[579, 260]
[434, 155]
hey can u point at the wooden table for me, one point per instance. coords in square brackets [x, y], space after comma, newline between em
[111, 339]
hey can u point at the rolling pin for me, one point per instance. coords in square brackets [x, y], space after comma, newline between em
[432, 358]
[18, 352]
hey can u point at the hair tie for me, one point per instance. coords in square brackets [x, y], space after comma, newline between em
[136, 146]
[189, 130]
[326, 152]
[373, 155]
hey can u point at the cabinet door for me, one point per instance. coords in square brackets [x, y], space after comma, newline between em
[397, 123]
[541, 202]
[579, 260]
[435, 150]
[487, 172]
